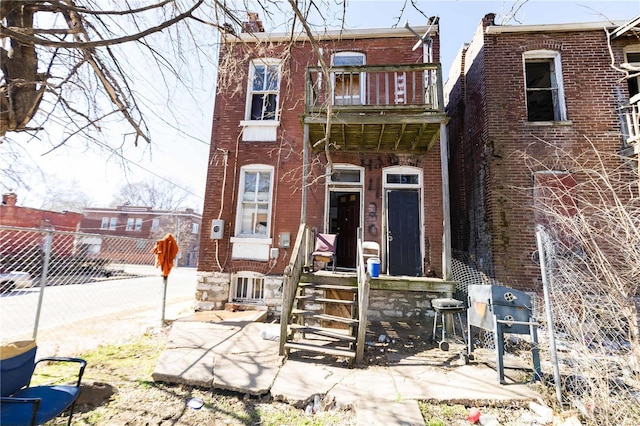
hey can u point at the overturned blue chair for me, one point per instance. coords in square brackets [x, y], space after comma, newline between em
[21, 404]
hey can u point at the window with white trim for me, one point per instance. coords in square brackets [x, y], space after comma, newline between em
[348, 87]
[112, 223]
[195, 228]
[248, 287]
[130, 223]
[155, 224]
[105, 223]
[139, 224]
[254, 201]
[543, 86]
[264, 89]
[632, 61]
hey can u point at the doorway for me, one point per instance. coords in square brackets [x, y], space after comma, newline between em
[403, 220]
[344, 219]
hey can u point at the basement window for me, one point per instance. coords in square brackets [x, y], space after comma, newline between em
[543, 84]
[248, 287]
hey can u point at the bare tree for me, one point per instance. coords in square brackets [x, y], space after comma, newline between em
[160, 195]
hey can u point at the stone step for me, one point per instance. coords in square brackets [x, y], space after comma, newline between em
[320, 331]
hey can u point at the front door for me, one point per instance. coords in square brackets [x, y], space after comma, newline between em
[403, 228]
[345, 224]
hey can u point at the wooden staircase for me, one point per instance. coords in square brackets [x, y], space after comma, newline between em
[324, 318]
[322, 312]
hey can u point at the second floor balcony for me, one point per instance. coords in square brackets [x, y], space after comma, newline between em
[376, 108]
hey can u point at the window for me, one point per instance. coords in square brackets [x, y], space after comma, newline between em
[105, 223]
[346, 174]
[254, 203]
[130, 223]
[155, 224]
[264, 87]
[632, 58]
[249, 287]
[543, 83]
[112, 223]
[348, 87]
[195, 228]
[139, 224]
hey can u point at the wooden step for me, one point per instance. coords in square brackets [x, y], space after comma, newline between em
[326, 332]
[320, 349]
[310, 298]
[324, 317]
[329, 286]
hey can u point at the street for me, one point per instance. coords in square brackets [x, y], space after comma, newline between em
[98, 305]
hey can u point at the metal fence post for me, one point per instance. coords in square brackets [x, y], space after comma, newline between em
[43, 278]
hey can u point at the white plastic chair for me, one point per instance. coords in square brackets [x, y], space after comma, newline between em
[370, 249]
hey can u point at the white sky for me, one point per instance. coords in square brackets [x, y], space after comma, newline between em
[183, 159]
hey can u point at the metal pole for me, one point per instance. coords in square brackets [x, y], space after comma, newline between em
[547, 302]
[43, 279]
[164, 299]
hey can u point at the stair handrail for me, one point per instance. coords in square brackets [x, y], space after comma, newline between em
[363, 298]
[291, 278]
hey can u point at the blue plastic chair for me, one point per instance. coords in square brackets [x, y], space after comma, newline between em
[21, 404]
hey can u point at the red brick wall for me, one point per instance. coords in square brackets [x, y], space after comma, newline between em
[497, 150]
[285, 155]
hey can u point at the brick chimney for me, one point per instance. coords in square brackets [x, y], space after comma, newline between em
[9, 199]
[253, 25]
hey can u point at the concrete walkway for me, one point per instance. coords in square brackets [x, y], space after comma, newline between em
[234, 352]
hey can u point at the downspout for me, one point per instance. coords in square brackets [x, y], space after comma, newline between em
[305, 171]
[447, 274]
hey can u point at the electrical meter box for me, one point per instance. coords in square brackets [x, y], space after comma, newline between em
[217, 229]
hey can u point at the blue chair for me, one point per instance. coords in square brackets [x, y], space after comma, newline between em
[21, 404]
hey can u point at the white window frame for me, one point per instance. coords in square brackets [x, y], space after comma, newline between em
[253, 285]
[138, 226]
[195, 228]
[266, 62]
[261, 169]
[113, 223]
[557, 84]
[634, 48]
[155, 224]
[105, 223]
[340, 99]
[130, 224]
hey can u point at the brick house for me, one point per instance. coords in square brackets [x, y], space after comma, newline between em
[272, 186]
[522, 99]
[148, 224]
[17, 241]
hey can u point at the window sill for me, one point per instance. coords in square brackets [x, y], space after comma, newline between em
[250, 248]
[252, 240]
[259, 130]
[549, 123]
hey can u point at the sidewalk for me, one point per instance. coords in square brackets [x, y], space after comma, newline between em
[232, 353]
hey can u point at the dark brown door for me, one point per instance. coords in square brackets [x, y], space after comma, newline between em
[404, 233]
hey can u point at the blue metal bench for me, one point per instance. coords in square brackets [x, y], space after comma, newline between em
[21, 404]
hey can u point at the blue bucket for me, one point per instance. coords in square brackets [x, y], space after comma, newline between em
[373, 267]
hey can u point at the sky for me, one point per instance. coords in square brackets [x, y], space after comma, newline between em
[183, 158]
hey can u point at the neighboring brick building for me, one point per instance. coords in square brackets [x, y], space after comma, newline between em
[148, 224]
[13, 215]
[268, 124]
[524, 100]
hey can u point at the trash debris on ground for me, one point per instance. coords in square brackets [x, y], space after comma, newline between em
[474, 415]
[195, 403]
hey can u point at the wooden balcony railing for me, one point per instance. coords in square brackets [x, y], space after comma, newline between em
[376, 88]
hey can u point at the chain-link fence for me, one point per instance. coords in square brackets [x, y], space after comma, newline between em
[49, 278]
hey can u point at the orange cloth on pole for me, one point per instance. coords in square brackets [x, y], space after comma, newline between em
[166, 250]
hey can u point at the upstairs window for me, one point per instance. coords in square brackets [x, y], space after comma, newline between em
[112, 223]
[632, 57]
[139, 224]
[105, 223]
[348, 87]
[543, 83]
[264, 88]
[130, 223]
[254, 204]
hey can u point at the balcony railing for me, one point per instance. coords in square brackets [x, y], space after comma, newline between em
[375, 88]
[630, 120]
